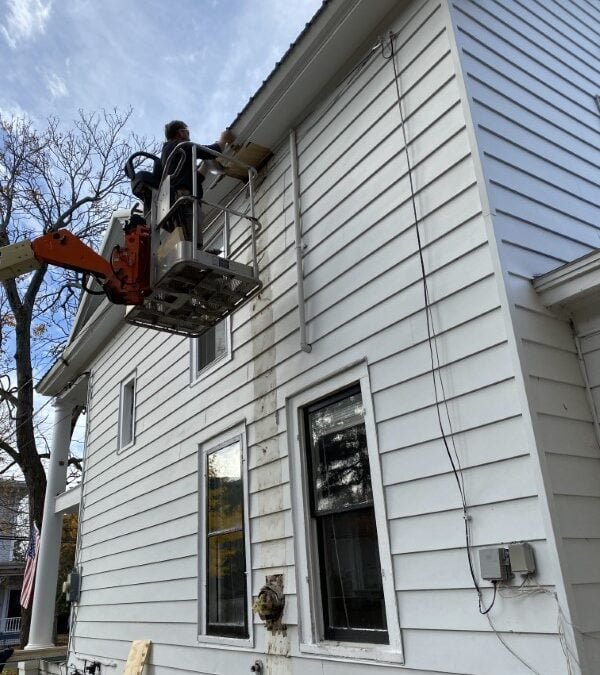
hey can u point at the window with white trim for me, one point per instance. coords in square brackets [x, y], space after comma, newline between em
[347, 602]
[214, 344]
[341, 499]
[224, 608]
[127, 412]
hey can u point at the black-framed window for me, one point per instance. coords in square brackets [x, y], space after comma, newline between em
[341, 501]
[226, 596]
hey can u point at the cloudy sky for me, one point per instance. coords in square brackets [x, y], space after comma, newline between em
[197, 60]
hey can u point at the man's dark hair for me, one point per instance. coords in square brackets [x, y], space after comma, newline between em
[172, 128]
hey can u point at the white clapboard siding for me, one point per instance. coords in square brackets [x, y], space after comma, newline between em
[531, 69]
[364, 302]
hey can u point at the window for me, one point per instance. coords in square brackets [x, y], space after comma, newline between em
[341, 499]
[127, 413]
[347, 604]
[224, 602]
[213, 344]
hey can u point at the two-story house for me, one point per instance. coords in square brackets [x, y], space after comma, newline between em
[414, 391]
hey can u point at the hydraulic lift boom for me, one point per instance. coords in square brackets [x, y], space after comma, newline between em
[124, 277]
[168, 283]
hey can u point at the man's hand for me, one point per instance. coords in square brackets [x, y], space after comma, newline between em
[226, 138]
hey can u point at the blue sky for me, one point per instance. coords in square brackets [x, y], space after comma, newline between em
[196, 60]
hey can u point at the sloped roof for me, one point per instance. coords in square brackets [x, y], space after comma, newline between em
[331, 43]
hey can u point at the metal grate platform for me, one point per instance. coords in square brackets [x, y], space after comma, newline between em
[194, 293]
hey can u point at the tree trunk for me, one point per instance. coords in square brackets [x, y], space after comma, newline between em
[30, 463]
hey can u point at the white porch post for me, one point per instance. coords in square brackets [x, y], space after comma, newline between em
[42, 617]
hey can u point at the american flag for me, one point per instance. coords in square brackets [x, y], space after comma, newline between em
[30, 565]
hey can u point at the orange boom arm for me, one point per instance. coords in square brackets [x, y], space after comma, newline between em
[125, 278]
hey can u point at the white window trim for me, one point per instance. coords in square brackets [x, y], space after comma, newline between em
[310, 614]
[198, 374]
[232, 434]
[132, 377]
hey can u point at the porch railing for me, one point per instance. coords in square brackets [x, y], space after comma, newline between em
[11, 624]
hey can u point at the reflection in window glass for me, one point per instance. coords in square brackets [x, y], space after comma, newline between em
[225, 549]
[342, 508]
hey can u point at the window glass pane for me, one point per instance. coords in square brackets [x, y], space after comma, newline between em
[225, 553]
[339, 455]
[212, 344]
[353, 592]
[226, 606]
[225, 490]
[127, 412]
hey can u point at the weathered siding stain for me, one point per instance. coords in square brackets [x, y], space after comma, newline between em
[364, 300]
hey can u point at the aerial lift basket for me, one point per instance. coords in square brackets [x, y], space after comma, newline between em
[193, 289]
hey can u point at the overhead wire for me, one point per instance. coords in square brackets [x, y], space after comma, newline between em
[453, 457]
[432, 344]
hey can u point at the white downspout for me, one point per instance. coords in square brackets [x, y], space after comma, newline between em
[304, 346]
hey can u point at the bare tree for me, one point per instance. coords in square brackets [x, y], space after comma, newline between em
[49, 178]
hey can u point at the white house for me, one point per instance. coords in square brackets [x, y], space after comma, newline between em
[333, 437]
[12, 493]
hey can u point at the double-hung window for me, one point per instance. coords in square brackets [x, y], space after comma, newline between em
[345, 581]
[224, 602]
[341, 501]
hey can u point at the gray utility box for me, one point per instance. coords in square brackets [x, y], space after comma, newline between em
[522, 560]
[494, 564]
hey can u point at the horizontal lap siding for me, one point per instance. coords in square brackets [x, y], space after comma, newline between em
[531, 70]
[364, 299]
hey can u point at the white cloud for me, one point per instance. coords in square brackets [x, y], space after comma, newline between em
[56, 86]
[25, 20]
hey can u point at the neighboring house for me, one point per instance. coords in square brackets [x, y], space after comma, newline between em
[331, 461]
[12, 493]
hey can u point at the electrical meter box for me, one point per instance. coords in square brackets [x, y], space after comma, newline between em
[494, 564]
[72, 586]
[522, 560]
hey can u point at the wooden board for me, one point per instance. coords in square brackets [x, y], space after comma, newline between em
[138, 654]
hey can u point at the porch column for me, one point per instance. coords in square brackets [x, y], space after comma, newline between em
[42, 616]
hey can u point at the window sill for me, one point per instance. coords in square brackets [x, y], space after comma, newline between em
[360, 651]
[215, 641]
[123, 448]
[200, 375]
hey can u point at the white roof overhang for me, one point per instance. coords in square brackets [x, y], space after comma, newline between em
[573, 288]
[337, 38]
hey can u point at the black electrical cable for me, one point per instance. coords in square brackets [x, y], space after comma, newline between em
[432, 342]
[89, 290]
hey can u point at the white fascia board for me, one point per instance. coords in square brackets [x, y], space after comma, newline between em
[571, 284]
[328, 45]
[111, 237]
[68, 501]
[78, 354]
[336, 40]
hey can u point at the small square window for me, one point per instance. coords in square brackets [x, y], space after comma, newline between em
[127, 413]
